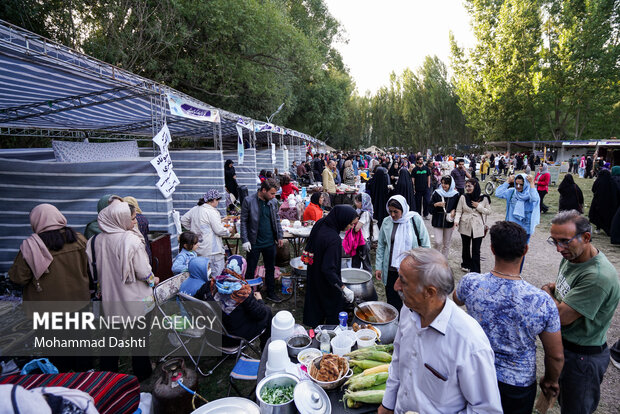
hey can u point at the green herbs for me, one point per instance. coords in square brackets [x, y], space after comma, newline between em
[278, 394]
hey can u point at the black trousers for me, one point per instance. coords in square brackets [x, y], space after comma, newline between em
[269, 260]
[362, 257]
[421, 202]
[543, 207]
[471, 253]
[517, 400]
[392, 296]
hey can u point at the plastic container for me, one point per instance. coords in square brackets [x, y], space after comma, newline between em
[308, 355]
[366, 338]
[282, 326]
[277, 360]
[287, 285]
[349, 334]
[341, 345]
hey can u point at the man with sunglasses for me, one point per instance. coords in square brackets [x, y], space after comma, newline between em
[586, 293]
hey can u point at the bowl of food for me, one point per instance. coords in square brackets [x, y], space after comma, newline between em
[329, 371]
[297, 343]
[275, 394]
[306, 356]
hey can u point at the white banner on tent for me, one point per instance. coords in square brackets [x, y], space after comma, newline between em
[273, 153]
[187, 109]
[163, 139]
[167, 183]
[240, 148]
[168, 180]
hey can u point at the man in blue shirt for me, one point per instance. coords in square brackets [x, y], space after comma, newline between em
[513, 313]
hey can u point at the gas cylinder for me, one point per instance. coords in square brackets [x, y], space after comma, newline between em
[168, 396]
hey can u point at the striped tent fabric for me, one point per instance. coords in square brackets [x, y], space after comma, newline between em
[113, 393]
[198, 171]
[75, 189]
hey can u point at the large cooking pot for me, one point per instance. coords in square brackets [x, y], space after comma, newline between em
[360, 282]
[299, 267]
[387, 322]
[270, 381]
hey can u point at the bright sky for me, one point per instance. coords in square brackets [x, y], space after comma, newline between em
[391, 35]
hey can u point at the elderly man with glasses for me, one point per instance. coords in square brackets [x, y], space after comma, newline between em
[586, 293]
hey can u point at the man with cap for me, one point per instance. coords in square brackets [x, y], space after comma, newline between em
[260, 231]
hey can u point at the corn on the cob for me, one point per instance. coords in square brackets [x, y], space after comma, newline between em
[381, 348]
[377, 369]
[365, 382]
[377, 387]
[369, 397]
[364, 363]
[372, 355]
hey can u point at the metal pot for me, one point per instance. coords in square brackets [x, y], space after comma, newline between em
[299, 267]
[388, 329]
[270, 381]
[360, 282]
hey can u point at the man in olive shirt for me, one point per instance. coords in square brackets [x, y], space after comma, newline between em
[586, 293]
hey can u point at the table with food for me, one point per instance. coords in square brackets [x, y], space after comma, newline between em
[328, 369]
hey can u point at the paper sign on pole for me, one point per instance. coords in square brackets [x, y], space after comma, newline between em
[240, 148]
[168, 180]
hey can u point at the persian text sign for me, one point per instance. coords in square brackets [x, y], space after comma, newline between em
[187, 109]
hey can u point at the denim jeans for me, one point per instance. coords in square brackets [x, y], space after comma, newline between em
[269, 260]
[580, 381]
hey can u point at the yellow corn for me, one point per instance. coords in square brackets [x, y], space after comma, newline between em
[364, 363]
[376, 370]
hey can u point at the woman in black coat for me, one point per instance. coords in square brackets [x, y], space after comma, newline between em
[571, 197]
[604, 202]
[323, 254]
[377, 188]
[404, 187]
[443, 208]
[230, 178]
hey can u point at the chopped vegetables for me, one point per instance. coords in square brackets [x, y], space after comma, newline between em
[278, 394]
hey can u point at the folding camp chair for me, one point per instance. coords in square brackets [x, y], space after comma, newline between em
[245, 369]
[166, 291]
[218, 329]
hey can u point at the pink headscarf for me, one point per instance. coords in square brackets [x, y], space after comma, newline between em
[44, 217]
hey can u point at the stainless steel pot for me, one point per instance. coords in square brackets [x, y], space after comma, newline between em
[360, 282]
[299, 267]
[270, 381]
[388, 328]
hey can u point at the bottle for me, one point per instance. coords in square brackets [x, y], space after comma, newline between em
[325, 346]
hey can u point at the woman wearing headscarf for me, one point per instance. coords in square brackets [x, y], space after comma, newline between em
[403, 230]
[443, 209]
[348, 174]
[206, 221]
[314, 212]
[51, 264]
[571, 196]
[325, 292]
[199, 273]
[92, 228]
[615, 223]
[364, 209]
[230, 178]
[521, 202]
[604, 202]
[393, 171]
[124, 274]
[378, 190]
[143, 225]
[470, 218]
[542, 180]
[404, 187]
[244, 314]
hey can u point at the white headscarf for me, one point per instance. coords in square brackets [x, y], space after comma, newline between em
[403, 240]
[451, 192]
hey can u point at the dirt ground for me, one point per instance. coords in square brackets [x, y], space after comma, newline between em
[541, 266]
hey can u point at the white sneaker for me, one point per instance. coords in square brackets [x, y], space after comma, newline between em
[616, 363]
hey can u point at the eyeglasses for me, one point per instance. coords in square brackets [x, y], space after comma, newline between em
[562, 243]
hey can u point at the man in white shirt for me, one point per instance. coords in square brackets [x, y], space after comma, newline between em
[443, 361]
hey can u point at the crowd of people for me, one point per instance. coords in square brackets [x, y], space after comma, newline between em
[482, 360]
